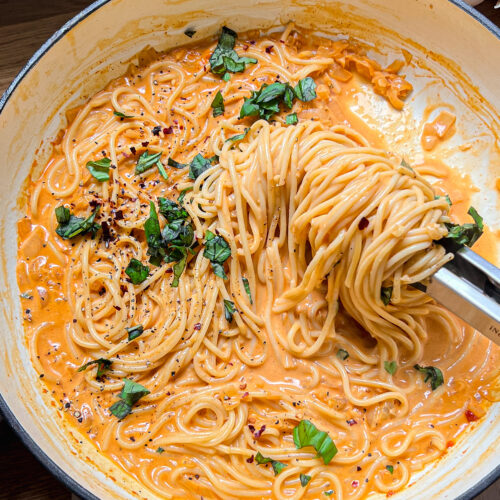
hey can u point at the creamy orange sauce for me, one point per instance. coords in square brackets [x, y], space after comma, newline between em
[470, 366]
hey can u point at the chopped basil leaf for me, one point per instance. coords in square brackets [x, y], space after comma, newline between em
[190, 32]
[266, 101]
[171, 210]
[99, 169]
[71, 226]
[226, 77]
[446, 197]
[390, 468]
[238, 137]
[153, 237]
[178, 269]
[200, 165]
[224, 58]
[292, 119]
[277, 466]
[134, 332]
[161, 169]
[435, 375]
[172, 163]
[62, 214]
[120, 409]
[121, 115]
[229, 310]
[329, 493]
[218, 104]
[183, 194]
[390, 367]
[342, 354]
[246, 285]
[146, 161]
[305, 90]
[386, 294]
[217, 251]
[136, 271]
[26, 295]
[132, 392]
[103, 365]
[178, 233]
[306, 434]
[466, 234]
[159, 450]
[304, 479]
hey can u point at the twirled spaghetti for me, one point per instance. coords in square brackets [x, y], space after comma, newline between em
[310, 319]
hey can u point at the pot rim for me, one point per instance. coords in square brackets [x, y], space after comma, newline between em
[26, 439]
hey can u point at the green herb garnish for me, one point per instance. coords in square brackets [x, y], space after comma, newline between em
[390, 468]
[466, 234]
[229, 310]
[386, 294]
[134, 332]
[103, 365]
[342, 354]
[246, 285]
[171, 210]
[71, 226]
[292, 119]
[277, 466]
[304, 479]
[435, 375]
[175, 164]
[146, 161]
[136, 271]
[218, 105]
[390, 367]
[238, 137]
[183, 193]
[159, 450]
[121, 115]
[99, 169]
[156, 250]
[224, 58]
[217, 251]
[130, 394]
[199, 165]
[266, 101]
[306, 434]
[305, 90]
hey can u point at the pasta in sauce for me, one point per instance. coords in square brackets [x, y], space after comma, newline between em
[240, 322]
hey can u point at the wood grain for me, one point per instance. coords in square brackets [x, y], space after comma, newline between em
[24, 27]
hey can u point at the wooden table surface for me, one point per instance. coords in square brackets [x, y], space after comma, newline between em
[24, 26]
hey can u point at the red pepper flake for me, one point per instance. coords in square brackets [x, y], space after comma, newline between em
[123, 289]
[133, 150]
[118, 308]
[390, 493]
[257, 434]
[243, 386]
[363, 223]
[269, 49]
[449, 444]
[355, 484]
[470, 416]
[351, 421]
[250, 460]
[119, 215]
[245, 395]
[102, 291]
[197, 326]
[252, 428]
[252, 42]
[168, 130]
[245, 47]
[145, 144]
[95, 203]
[169, 270]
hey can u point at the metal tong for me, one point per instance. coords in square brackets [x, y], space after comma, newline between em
[469, 286]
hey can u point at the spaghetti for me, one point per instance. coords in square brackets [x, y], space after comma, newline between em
[242, 325]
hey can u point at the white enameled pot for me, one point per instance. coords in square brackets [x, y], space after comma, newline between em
[456, 60]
